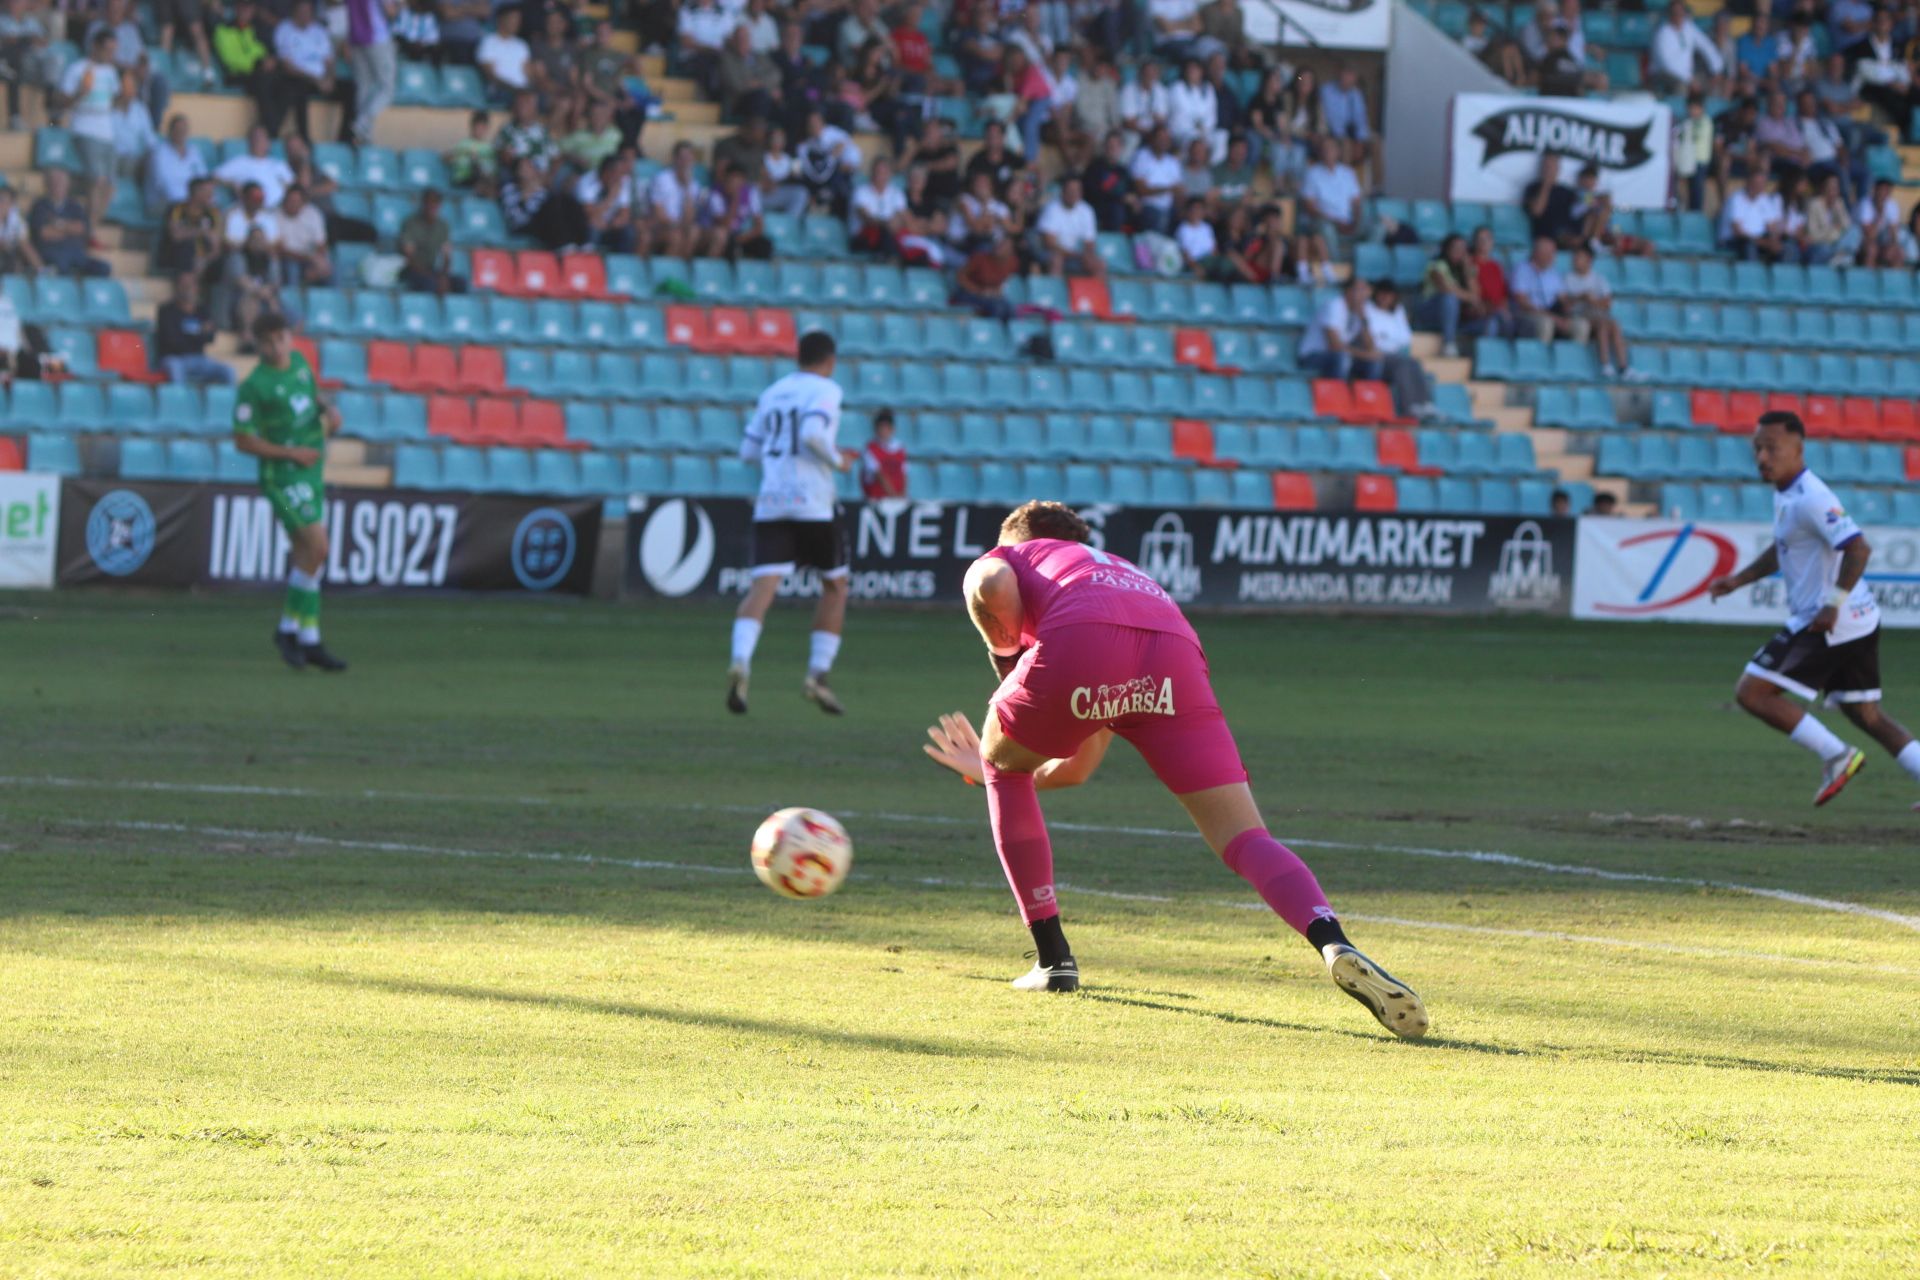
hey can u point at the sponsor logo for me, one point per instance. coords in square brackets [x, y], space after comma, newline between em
[29, 523]
[676, 547]
[1525, 578]
[1142, 695]
[1835, 515]
[370, 541]
[120, 532]
[1611, 146]
[1166, 556]
[543, 548]
[1671, 582]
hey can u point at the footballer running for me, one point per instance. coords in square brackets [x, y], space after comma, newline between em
[1088, 647]
[279, 418]
[794, 436]
[1830, 648]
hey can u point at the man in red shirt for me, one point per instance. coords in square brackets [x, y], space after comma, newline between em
[883, 463]
[1494, 294]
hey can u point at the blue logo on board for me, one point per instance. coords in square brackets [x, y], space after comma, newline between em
[543, 548]
[120, 532]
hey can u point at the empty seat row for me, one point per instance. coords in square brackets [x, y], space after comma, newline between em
[1754, 503]
[1721, 279]
[1490, 496]
[120, 406]
[197, 460]
[1525, 360]
[1846, 417]
[58, 299]
[381, 313]
[1840, 329]
[1653, 455]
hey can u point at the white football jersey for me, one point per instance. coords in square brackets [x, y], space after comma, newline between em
[1809, 529]
[794, 436]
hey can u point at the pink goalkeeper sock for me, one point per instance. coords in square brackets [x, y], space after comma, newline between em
[1279, 876]
[1020, 836]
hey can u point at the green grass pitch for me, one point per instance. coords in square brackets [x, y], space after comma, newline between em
[453, 965]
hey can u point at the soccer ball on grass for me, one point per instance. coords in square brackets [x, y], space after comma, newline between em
[801, 853]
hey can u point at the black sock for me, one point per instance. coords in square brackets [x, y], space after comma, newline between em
[1326, 930]
[1050, 942]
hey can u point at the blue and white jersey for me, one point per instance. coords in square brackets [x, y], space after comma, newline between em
[1810, 528]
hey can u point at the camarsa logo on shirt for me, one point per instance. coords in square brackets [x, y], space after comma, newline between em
[1143, 695]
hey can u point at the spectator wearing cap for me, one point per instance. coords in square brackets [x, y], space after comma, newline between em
[1560, 73]
[1678, 52]
[1392, 336]
[883, 462]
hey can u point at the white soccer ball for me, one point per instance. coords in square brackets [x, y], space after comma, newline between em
[802, 853]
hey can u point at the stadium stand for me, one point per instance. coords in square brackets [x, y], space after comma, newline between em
[577, 355]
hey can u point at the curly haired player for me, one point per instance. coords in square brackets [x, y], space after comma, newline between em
[1088, 647]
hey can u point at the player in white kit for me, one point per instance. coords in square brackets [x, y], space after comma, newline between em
[1830, 647]
[794, 436]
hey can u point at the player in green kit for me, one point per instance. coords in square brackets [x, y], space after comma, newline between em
[279, 418]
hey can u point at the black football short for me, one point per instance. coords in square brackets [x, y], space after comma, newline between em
[781, 546]
[1803, 662]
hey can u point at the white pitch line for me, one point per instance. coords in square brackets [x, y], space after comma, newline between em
[308, 840]
[1484, 856]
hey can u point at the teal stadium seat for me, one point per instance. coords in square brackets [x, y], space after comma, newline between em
[57, 454]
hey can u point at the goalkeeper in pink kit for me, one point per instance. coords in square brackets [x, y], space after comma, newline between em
[1088, 647]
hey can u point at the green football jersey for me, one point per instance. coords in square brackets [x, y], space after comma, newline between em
[282, 407]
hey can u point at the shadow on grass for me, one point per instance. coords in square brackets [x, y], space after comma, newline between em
[622, 1009]
[1241, 1019]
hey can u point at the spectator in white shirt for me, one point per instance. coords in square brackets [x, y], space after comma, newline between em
[979, 220]
[1338, 344]
[1585, 292]
[300, 230]
[1331, 202]
[673, 201]
[1392, 335]
[1678, 46]
[1068, 234]
[702, 32]
[172, 166]
[503, 56]
[879, 210]
[1156, 174]
[1194, 111]
[305, 51]
[1879, 221]
[1176, 25]
[134, 138]
[258, 166]
[1198, 243]
[1756, 223]
[88, 89]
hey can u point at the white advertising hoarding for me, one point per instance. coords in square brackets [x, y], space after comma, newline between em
[1330, 24]
[1498, 141]
[1658, 570]
[29, 528]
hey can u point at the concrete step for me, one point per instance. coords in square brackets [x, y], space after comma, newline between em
[1448, 370]
[346, 453]
[360, 477]
[1571, 466]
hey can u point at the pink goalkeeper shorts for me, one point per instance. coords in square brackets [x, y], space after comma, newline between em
[1150, 687]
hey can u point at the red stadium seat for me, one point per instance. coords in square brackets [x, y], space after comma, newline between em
[584, 275]
[390, 363]
[1788, 402]
[493, 270]
[1375, 493]
[311, 350]
[1193, 440]
[1089, 297]
[1860, 418]
[496, 422]
[1395, 448]
[543, 422]
[1293, 491]
[773, 333]
[1373, 404]
[729, 331]
[10, 457]
[1897, 420]
[1710, 409]
[434, 369]
[1194, 347]
[124, 352]
[537, 274]
[1332, 398]
[450, 416]
[1743, 411]
[482, 369]
[689, 327]
[1913, 462]
[1822, 416]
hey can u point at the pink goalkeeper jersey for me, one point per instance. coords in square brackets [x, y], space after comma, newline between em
[1064, 584]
